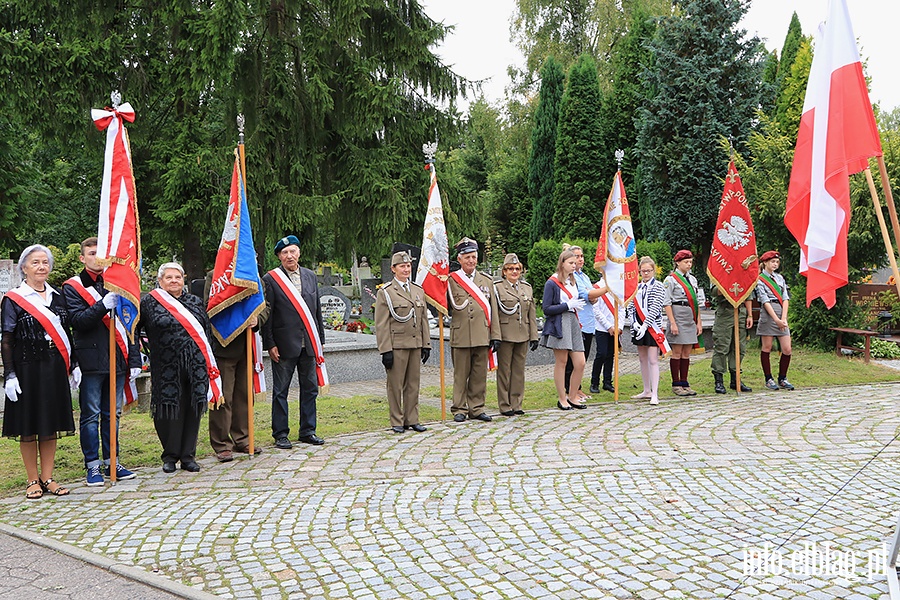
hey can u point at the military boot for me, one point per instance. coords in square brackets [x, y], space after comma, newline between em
[744, 388]
[720, 384]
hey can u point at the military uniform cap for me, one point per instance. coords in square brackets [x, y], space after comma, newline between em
[682, 255]
[285, 242]
[769, 255]
[465, 246]
[401, 257]
[511, 259]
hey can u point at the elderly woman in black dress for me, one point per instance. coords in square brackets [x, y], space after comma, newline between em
[183, 372]
[37, 359]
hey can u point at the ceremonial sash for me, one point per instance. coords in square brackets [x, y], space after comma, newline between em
[773, 286]
[92, 296]
[473, 291]
[49, 320]
[688, 291]
[197, 333]
[658, 334]
[309, 321]
[259, 380]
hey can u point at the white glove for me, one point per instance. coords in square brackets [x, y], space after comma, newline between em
[575, 303]
[641, 330]
[111, 300]
[13, 389]
[134, 373]
[75, 378]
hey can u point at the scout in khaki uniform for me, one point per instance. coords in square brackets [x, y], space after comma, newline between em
[474, 332]
[518, 329]
[401, 330]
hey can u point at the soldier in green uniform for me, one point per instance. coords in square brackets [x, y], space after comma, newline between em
[723, 339]
[403, 337]
[518, 331]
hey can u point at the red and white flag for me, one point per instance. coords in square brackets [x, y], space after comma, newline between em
[118, 232]
[733, 264]
[616, 252]
[837, 137]
[434, 264]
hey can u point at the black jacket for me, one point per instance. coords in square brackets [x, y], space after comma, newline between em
[284, 328]
[91, 336]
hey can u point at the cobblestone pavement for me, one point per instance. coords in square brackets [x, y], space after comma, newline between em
[618, 501]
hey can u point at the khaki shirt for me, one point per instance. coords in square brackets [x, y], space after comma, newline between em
[468, 326]
[391, 333]
[516, 315]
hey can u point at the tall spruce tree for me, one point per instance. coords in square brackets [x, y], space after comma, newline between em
[704, 83]
[578, 195]
[543, 151]
[622, 103]
[789, 51]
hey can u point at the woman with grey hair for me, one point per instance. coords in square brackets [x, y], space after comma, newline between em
[183, 372]
[39, 370]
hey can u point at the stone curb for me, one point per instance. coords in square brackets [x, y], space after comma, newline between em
[122, 570]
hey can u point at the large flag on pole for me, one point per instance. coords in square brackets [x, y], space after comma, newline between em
[434, 264]
[236, 294]
[733, 264]
[616, 252]
[837, 136]
[118, 232]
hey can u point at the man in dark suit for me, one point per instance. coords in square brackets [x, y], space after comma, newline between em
[293, 335]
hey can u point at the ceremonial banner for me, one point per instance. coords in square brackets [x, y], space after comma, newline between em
[733, 264]
[434, 264]
[616, 252]
[837, 136]
[236, 295]
[118, 232]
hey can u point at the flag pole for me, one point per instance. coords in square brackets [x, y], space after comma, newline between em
[113, 462]
[892, 210]
[884, 232]
[443, 389]
[737, 349]
[251, 447]
[615, 340]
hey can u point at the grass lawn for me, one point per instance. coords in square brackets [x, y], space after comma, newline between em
[140, 446]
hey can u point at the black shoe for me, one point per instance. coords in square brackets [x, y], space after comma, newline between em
[283, 443]
[459, 418]
[168, 467]
[720, 384]
[733, 384]
[519, 412]
[397, 429]
[311, 439]
[746, 388]
[561, 407]
[483, 417]
[609, 388]
[418, 428]
[507, 413]
[595, 389]
[191, 466]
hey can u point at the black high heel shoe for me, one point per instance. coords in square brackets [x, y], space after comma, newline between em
[561, 407]
[578, 406]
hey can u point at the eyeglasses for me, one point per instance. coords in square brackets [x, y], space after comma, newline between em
[648, 270]
[512, 268]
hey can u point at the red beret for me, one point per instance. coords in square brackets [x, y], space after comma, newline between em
[681, 255]
[769, 256]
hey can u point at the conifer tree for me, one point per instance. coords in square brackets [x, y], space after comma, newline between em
[579, 195]
[705, 83]
[543, 151]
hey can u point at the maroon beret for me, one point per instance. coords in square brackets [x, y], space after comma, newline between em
[769, 256]
[681, 255]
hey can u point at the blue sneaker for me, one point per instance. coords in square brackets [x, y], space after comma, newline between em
[121, 473]
[94, 477]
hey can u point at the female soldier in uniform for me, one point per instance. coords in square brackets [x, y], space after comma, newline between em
[518, 330]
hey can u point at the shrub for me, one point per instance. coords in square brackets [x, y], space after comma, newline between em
[658, 251]
[65, 264]
[884, 349]
[542, 261]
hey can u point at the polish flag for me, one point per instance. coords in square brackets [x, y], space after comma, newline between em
[837, 136]
[434, 264]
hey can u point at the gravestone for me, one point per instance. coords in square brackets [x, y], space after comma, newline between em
[9, 276]
[367, 297]
[333, 301]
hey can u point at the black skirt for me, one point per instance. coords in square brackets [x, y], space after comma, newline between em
[44, 408]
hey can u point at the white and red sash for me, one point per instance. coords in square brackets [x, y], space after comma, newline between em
[659, 336]
[92, 296]
[478, 296]
[48, 319]
[309, 321]
[198, 334]
[259, 378]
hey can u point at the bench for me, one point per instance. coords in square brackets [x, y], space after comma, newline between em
[867, 355]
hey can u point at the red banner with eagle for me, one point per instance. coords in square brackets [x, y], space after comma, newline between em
[733, 264]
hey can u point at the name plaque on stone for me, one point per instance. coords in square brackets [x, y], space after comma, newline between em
[9, 276]
[334, 301]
